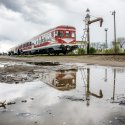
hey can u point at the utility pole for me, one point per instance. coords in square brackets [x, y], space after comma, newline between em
[87, 19]
[113, 13]
[106, 44]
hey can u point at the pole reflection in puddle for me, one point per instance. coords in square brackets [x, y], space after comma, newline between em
[105, 79]
[113, 96]
[88, 92]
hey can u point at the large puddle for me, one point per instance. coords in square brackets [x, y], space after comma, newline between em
[90, 95]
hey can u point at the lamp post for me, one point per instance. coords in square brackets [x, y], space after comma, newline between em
[113, 13]
[87, 19]
[106, 45]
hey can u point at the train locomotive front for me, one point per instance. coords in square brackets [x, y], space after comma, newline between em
[65, 39]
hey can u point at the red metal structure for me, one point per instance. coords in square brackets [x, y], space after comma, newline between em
[61, 39]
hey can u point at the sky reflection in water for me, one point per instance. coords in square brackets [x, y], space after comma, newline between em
[92, 94]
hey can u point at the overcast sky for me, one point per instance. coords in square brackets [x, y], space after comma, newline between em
[20, 20]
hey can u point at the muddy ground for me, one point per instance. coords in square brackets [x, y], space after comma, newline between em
[109, 60]
[65, 90]
[16, 72]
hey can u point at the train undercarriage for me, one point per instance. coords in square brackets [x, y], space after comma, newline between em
[55, 50]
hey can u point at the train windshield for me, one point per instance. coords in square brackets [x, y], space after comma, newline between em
[67, 34]
[73, 34]
[60, 33]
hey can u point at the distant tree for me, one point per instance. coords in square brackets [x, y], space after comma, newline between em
[121, 41]
[98, 45]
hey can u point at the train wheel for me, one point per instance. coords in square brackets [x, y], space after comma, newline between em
[48, 52]
[64, 53]
[57, 53]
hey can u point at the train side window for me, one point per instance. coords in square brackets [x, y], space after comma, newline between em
[41, 39]
[56, 33]
[36, 41]
[52, 34]
[67, 34]
[44, 39]
[30, 43]
[48, 37]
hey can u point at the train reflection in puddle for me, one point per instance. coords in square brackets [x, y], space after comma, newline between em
[61, 80]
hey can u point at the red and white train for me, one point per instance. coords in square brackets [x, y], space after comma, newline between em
[61, 39]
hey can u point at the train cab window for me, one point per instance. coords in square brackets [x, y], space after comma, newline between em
[67, 34]
[73, 34]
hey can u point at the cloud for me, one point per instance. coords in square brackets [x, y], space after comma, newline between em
[29, 11]
[5, 45]
[4, 38]
[20, 20]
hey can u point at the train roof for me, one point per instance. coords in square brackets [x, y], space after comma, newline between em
[66, 26]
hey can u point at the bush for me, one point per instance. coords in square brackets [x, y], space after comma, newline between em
[113, 50]
[81, 51]
[117, 49]
[108, 51]
[92, 50]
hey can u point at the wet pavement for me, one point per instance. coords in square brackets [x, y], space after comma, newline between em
[68, 94]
